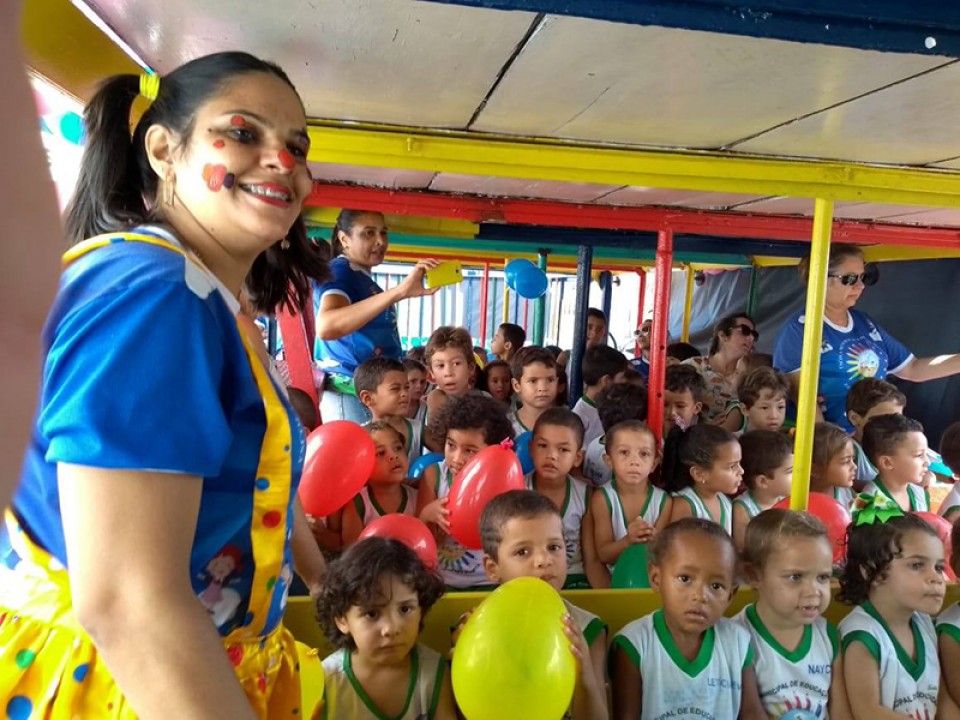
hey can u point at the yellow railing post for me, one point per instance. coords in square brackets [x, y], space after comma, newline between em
[687, 304]
[810, 364]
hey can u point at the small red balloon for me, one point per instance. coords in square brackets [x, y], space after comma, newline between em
[945, 531]
[338, 463]
[830, 513]
[408, 530]
[491, 472]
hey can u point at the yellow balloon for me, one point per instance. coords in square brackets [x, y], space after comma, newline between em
[311, 679]
[512, 659]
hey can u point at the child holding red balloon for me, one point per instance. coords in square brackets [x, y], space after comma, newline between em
[833, 465]
[768, 474]
[897, 448]
[382, 386]
[385, 492]
[523, 536]
[685, 657]
[789, 561]
[629, 509]
[701, 467]
[372, 610]
[894, 575]
[466, 426]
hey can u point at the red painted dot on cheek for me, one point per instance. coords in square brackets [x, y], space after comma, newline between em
[219, 144]
[286, 159]
[214, 175]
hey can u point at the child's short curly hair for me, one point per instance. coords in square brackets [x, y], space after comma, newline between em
[769, 527]
[871, 549]
[756, 381]
[474, 412]
[448, 337]
[354, 579]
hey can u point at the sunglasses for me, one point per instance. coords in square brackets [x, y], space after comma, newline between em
[868, 277]
[643, 330]
[746, 330]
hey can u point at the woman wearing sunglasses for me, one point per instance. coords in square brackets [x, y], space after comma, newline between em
[854, 345]
[732, 343]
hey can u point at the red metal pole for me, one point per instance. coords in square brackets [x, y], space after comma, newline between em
[484, 297]
[658, 339]
[642, 274]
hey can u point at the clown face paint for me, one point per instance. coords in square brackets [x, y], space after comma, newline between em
[286, 159]
[216, 177]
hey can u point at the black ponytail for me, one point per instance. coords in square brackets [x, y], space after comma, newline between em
[698, 446]
[117, 187]
[345, 222]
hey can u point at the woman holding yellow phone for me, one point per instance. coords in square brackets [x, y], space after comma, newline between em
[356, 318]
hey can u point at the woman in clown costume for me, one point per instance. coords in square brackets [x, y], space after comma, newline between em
[151, 533]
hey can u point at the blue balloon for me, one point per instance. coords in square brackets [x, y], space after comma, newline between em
[531, 282]
[514, 269]
[71, 127]
[522, 447]
[423, 462]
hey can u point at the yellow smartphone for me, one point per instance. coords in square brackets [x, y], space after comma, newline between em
[446, 273]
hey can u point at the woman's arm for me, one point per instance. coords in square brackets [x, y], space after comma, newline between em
[339, 317]
[129, 536]
[307, 559]
[930, 368]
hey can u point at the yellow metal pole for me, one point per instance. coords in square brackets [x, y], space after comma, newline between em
[506, 297]
[810, 363]
[687, 305]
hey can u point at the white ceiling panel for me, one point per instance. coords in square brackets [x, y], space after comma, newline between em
[386, 61]
[949, 164]
[513, 187]
[912, 123]
[942, 217]
[665, 196]
[601, 81]
[377, 177]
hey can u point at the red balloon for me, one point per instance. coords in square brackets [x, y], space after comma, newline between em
[338, 463]
[408, 530]
[491, 472]
[945, 531]
[832, 514]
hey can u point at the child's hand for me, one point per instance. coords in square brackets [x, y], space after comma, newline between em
[640, 531]
[436, 513]
[458, 628]
[580, 650]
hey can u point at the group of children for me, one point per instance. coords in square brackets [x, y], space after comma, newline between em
[702, 502]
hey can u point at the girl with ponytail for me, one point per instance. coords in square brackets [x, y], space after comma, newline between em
[152, 529]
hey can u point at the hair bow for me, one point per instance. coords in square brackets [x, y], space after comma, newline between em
[150, 86]
[877, 508]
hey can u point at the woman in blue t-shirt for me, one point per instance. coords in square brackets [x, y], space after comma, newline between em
[356, 318]
[151, 537]
[854, 346]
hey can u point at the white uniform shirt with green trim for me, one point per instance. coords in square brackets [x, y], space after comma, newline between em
[951, 502]
[948, 622]
[710, 687]
[586, 410]
[518, 427]
[748, 503]
[652, 507]
[459, 567]
[866, 472]
[594, 468]
[368, 509]
[414, 446]
[576, 502]
[919, 500]
[793, 684]
[906, 686]
[699, 509]
[345, 699]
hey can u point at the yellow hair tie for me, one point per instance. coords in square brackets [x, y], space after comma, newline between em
[150, 86]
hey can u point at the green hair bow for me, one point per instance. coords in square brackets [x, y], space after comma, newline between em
[876, 508]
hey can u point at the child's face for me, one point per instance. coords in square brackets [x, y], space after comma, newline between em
[679, 405]
[555, 451]
[537, 387]
[460, 446]
[908, 463]
[499, 383]
[386, 630]
[794, 585]
[725, 474]
[451, 370]
[391, 396]
[596, 331]
[416, 383]
[782, 480]
[841, 471]
[530, 547]
[632, 456]
[390, 462]
[496, 345]
[887, 407]
[695, 580]
[915, 577]
[768, 412]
